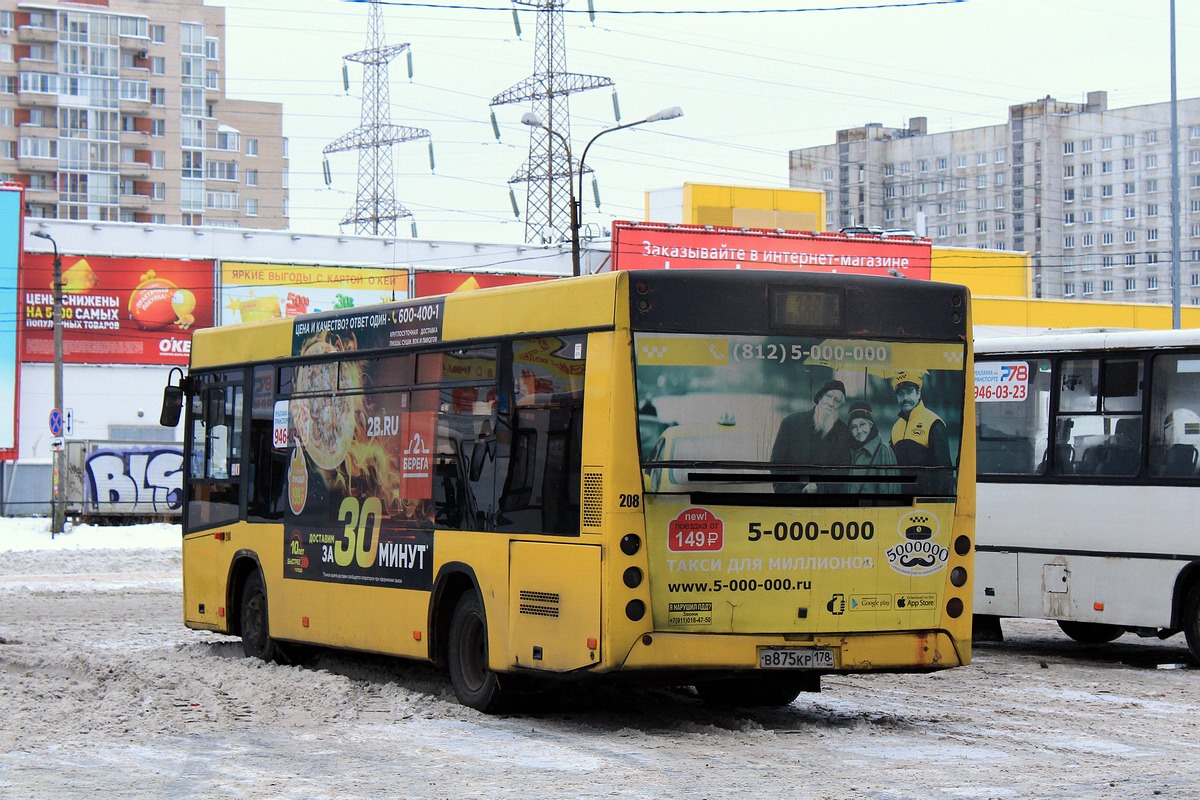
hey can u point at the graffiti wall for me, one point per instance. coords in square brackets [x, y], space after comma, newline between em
[125, 479]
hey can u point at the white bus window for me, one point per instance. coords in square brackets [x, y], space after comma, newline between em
[1105, 445]
[1123, 385]
[1012, 412]
[1174, 421]
[1080, 380]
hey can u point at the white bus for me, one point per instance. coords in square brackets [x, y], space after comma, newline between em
[1089, 496]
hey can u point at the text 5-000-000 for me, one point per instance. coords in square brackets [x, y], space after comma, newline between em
[797, 531]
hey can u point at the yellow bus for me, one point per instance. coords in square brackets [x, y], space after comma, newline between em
[733, 480]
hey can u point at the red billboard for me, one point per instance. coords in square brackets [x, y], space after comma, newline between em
[115, 310]
[658, 245]
[435, 283]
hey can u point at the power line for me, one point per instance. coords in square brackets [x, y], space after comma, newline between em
[593, 12]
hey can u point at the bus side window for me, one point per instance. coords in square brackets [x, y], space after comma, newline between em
[265, 499]
[467, 458]
[541, 481]
[215, 461]
[1174, 421]
[1011, 434]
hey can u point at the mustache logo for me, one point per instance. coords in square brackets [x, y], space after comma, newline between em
[917, 561]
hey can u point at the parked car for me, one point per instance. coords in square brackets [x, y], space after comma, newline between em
[900, 233]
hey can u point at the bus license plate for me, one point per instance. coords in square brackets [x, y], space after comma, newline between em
[795, 658]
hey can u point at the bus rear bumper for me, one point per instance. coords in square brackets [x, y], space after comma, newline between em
[917, 651]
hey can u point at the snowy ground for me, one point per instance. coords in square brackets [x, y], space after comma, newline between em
[104, 693]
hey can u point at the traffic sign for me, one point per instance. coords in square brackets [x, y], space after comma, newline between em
[56, 444]
[69, 422]
[56, 423]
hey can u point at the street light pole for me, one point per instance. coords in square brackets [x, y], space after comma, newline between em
[1176, 277]
[576, 197]
[534, 121]
[58, 511]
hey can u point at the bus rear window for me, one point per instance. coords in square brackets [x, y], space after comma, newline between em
[798, 415]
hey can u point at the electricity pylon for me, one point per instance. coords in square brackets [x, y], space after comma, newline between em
[375, 208]
[549, 168]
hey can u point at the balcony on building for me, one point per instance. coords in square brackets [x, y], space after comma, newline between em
[134, 95]
[135, 42]
[29, 34]
[135, 168]
[133, 202]
[134, 138]
[31, 64]
[36, 99]
[42, 196]
[37, 164]
[27, 127]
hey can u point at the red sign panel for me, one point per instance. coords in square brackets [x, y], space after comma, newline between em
[435, 283]
[696, 530]
[656, 245]
[115, 310]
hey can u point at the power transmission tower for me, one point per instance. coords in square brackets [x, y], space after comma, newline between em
[375, 208]
[548, 170]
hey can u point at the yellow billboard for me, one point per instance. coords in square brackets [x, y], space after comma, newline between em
[256, 292]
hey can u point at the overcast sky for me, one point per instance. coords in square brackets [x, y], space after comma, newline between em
[752, 87]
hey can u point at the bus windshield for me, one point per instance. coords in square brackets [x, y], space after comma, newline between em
[798, 415]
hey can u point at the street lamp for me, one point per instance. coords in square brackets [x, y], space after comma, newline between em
[576, 197]
[58, 511]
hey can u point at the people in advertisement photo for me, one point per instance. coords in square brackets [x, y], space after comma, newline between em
[816, 436]
[819, 409]
[919, 435]
[871, 450]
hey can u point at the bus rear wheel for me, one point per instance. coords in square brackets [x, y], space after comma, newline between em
[474, 683]
[1090, 632]
[758, 690]
[256, 634]
[1191, 621]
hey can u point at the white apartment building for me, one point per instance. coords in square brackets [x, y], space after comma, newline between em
[1084, 188]
[115, 111]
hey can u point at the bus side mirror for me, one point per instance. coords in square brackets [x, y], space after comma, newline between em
[172, 405]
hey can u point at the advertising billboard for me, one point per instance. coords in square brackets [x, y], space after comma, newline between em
[115, 310]
[656, 245]
[253, 292]
[11, 196]
[434, 283]
[874, 426]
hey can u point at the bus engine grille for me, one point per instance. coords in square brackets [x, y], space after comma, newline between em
[539, 604]
[593, 499]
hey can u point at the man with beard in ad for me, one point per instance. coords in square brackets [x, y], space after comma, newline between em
[817, 436]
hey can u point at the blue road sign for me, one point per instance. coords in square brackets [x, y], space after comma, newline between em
[56, 423]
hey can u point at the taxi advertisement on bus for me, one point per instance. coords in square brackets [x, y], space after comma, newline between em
[864, 435]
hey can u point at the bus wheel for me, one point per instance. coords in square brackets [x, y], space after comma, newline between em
[256, 636]
[475, 685]
[758, 689]
[1191, 621]
[1090, 632]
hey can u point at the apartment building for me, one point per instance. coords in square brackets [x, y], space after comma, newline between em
[1085, 189]
[115, 111]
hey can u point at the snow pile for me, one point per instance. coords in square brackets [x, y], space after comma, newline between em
[23, 534]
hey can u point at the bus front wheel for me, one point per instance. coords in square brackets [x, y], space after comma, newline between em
[1191, 620]
[475, 685]
[1090, 632]
[256, 635]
